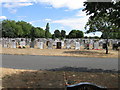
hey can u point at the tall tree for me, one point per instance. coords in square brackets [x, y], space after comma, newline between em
[47, 32]
[100, 18]
[99, 8]
[32, 34]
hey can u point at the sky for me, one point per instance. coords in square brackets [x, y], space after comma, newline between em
[60, 14]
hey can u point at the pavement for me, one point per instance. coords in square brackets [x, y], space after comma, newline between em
[35, 62]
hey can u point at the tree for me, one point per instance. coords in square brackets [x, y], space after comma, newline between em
[103, 25]
[112, 35]
[99, 8]
[47, 33]
[39, 32]
[63, 33]
[32, 34]
[53, 36]
[26, 27]
[104, 17]
[11, 29]
[79, 34]
[57, 34]
[76, 34]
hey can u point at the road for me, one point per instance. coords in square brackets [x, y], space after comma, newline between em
[52, 62]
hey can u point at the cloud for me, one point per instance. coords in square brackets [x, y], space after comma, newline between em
[70, 4]
[74, 23]
[16, 4]
[12, 7]
[8, 1]
[3, 17]
[47, 20]
[12, 10]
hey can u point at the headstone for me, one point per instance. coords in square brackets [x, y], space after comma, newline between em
[59, 45]
[13, 44]
[104, 45]
[115, 45]
[50, 45]
[96, 45]
[4, 43]
[40, 45]
[86, 45]
[62, 43]
[68, 45]
[22, 43]
[77, 46]
[32, 44]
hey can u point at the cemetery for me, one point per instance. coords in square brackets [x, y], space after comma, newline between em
[67, 47]
[79, 50]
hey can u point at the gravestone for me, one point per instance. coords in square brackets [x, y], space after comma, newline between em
[86, 45]
[50, 45]
[59, 45]
[40, 45]
[62, 43]
[104, 45]
[68, 45]
[14, 44]
[96, 45]
[115, 45]
[4, 44]
[22, 43]
[77, 46]
[32, 44]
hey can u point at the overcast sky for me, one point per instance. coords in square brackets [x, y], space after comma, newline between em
[61, 14]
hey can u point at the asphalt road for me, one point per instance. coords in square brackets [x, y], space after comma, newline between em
[52, 62]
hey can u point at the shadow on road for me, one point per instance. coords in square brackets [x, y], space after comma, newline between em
[81, 69]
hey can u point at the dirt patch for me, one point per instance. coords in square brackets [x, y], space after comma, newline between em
[15, 78]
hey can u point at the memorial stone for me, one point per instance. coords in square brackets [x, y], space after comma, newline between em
[59, 45]
[68, 45]
[96, 45]
[40, 45]
[50, 45]
[77, 46]
[14, 44]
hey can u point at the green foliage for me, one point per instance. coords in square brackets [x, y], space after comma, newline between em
[76, 34]
[104, 17]
[32, 34]
[57, 34]
[102, 24]
[53, 36]
[13, 29]
[47, 33]
[63, 33]
[39, 32]
[26, 27]
[107, 10]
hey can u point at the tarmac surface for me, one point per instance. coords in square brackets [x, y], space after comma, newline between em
[59, 63]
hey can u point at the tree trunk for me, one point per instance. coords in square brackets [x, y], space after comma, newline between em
[107, 46]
